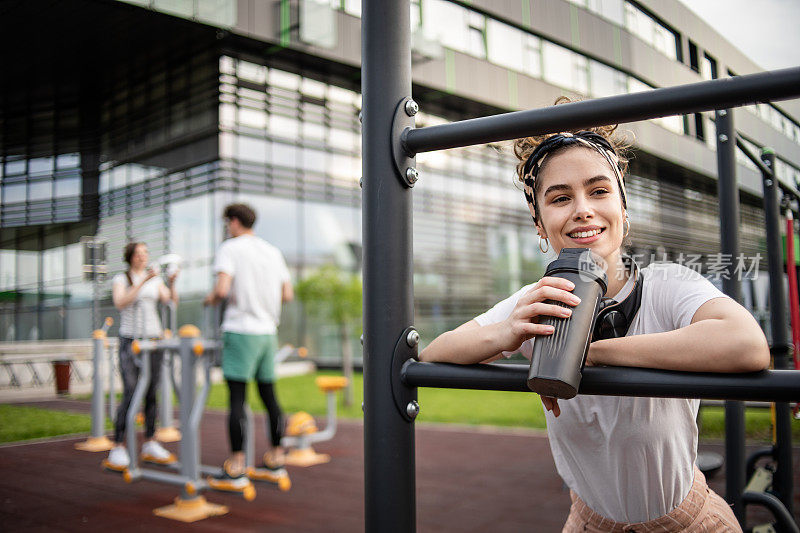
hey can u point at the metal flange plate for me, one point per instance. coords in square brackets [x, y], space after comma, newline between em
[405, 165]
[403, 394]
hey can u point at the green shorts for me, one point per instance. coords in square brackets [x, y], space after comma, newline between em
[245, 357]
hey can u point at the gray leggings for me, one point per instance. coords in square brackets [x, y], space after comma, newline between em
[129, 366]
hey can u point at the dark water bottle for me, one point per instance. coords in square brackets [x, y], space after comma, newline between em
[558, 359]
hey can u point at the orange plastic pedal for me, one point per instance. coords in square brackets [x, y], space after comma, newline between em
[277, 477]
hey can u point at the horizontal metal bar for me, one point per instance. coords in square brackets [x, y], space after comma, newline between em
[691, 98]
[753, 157]
[767, 385]
[164, 477]
[782, 516]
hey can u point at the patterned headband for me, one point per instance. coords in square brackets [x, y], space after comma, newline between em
[589, 139]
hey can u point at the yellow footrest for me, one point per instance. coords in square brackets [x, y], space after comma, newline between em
[95, 444]
[306, 457]
[277, 477]
[331, 383]
[190, 510]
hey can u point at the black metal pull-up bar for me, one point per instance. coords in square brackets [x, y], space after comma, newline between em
[389, 341]
[767, 385]
[692, 98]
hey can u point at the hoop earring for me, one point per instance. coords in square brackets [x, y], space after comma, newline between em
[629, 226]
[540, 245]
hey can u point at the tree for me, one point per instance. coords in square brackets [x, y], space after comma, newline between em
[335, 296]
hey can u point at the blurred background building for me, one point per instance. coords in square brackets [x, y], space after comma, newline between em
[140, 120]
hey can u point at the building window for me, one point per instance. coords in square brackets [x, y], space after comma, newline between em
[532, 56]
[700, 132]
[557, 64]
[605, 81]
[513, 48]
[613, 10]
[504, 45]
[694, 58]
[651, 31]
[477, 35]
[708, 67]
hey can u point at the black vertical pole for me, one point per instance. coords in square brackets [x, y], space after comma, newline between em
[728, 190]
[781, 343]
[389, 474]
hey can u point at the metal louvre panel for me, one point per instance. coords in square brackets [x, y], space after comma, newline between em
[685, 220]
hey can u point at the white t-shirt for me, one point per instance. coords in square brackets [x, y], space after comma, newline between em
[630, 459]
[140, 319]
[259, 271]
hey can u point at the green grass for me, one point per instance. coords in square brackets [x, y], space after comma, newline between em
[758, 424]
[299, 393]
[24, 423]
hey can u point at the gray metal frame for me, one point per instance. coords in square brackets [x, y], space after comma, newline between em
[167, 377]
[192, 405]
[781, 340]
[99, 341]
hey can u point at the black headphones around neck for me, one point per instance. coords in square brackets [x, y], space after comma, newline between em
[614, 318]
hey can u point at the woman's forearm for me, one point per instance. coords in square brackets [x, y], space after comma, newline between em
[705, 346]
[173, 293]
[126, 297]
[467, 344]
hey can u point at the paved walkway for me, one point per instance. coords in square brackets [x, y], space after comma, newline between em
[468, 480]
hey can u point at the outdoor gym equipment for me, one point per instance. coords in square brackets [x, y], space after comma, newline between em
[302, 431]
[167, 432]
[772, 487]
[390, 144]
[98, 442]
[190, 505]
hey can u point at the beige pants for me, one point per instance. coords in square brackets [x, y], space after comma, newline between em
[702, 510]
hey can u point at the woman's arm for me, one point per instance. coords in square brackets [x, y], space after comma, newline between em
[169, 292]
[469, 343]
[472, 343]
[123, 296]
[722, 337]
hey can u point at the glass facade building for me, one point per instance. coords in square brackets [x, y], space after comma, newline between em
[171, 130]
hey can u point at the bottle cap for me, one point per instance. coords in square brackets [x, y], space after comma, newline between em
[581, 261]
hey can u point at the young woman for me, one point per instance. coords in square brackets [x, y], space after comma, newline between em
[135, 293]
[629, 462]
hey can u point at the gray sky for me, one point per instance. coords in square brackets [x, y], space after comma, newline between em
[767, 31]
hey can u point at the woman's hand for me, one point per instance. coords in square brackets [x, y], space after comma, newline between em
[551, 404]
[524, 321]
[173, 277]
[149, 274]
[471, 343]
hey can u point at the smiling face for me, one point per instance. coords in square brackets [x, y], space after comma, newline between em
[139, 257]
[579, 203]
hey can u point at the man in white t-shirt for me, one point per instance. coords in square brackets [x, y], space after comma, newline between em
[252, 275]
